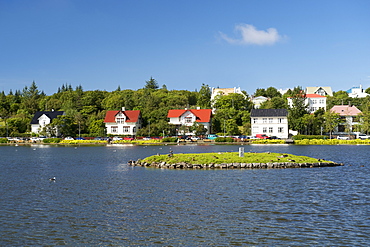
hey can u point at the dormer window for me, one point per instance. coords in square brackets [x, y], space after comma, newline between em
[120, 120]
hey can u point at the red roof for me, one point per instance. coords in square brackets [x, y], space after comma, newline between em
[313, 95]
[131, 116]
[202, 115]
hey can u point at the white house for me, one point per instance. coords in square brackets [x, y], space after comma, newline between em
[349, 117]
[42, 118]
[323, 91]
[357, 92]
[225, 91]
[257, 101]
[123, 122]
[272, 122]
[185, 117]
[313, 102]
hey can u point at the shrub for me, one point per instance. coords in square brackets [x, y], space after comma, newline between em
[309, 137]
[3, 140]
[169, 139]
[52, 140]
[224, 139]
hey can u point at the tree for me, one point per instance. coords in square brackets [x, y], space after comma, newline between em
[331, 121]
[199, 129]
[296, 113]
[365, 119]
[204, 97]
[272, 92]
[151, 84]
[274, 103]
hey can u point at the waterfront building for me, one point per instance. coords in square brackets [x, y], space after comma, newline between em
[43, 118]
[271, 122]
[123, 122]
[183, 119]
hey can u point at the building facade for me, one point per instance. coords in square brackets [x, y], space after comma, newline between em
[123, 122]
[183, 119]
[43, 118]
[272, 122]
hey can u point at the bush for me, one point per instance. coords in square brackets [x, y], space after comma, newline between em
[309, 137]
[52, 140]
[169, 139]
[224, 139]
[3, 140]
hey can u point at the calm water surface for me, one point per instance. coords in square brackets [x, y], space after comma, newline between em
[97, 200]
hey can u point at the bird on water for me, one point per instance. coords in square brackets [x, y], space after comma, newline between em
[52, 179]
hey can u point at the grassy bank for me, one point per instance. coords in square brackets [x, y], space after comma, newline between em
[232, 157]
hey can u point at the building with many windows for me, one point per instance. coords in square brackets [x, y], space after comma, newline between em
[272, 122]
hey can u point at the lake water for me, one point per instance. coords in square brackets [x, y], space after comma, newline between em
[98, 200]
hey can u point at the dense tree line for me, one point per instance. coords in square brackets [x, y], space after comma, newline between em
[85, 110]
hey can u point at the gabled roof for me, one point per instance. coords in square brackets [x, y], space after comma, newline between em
[202, 115]
[346, 110]
[131, 116]
[310, 90]
[50, 114]
[269, 113]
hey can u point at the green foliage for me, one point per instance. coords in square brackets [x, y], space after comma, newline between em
[169, 139]
[151, 84]
[52, 140]
[224, 139]
[309, 137]
[219, 158]
[3, 140]
[204, 97]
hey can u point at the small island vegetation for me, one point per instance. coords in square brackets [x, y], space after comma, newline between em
[230, 157]
[230, 160]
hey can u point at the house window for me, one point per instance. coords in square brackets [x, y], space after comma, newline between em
[264, 130]
[281, 129]
[321, 101]
[270, 120]
[281, 120]
[114, 129]
[255, 120]
[255, 129]
[314, 101]
[126, 129]
[188, 120]
[120, 120]
[270, 129]
[264, 120]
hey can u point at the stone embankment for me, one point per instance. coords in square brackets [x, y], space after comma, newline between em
[276, 165]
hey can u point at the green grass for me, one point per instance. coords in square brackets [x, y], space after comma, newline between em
[232, 157]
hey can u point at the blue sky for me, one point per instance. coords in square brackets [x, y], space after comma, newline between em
[103, 44]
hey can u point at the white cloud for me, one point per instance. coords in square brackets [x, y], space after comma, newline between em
[251, 36]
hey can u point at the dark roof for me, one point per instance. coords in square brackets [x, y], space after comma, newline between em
[49, 114]
[269, 113]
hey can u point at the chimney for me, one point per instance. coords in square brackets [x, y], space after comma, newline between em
[123, 108]
[198, 107]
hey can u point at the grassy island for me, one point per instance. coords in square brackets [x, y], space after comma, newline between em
[231, 160]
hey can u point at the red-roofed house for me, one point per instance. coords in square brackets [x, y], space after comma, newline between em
[122, 122]
[185, 117]
[313, 101]
[349, 116]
